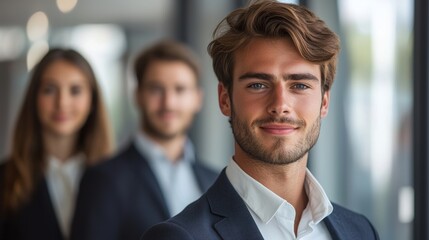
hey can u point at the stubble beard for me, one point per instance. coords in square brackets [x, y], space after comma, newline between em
[279, 153]
[153, 130]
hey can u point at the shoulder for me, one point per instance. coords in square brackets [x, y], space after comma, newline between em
[111, 174]
[194, 222]
[167, 231]
[197, 212]
[344, 220]
[197, 219]
[346, 214]
[118, 164]
[102, 187]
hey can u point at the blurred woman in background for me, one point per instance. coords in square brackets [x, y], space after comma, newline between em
[61, 128]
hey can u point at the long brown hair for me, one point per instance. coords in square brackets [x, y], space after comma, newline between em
[26, 164]
[271, 19]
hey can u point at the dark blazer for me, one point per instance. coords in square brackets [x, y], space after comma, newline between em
[221, 214]
[34, 220]
[121, 198]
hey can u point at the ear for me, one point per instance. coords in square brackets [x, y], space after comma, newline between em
[224, 100]
[325, 104]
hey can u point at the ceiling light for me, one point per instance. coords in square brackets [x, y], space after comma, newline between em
[66, 6]
[37, 26]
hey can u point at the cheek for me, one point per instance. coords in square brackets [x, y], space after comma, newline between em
[251, 107]
[44, 105]
[149, 103]
[308, 108]
[190, 102]
[83, 104]
[45, 109]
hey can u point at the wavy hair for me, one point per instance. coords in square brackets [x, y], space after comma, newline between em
[314, 41]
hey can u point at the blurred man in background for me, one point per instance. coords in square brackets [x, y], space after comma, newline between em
[158, 174]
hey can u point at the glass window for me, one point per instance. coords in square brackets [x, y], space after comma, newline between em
[368, 140]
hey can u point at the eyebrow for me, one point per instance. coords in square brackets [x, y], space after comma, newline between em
[270, 77]
[262, 76]
[300, 76]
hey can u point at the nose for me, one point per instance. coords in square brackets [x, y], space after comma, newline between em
[279, 102]
[169, 99]
[62, 99]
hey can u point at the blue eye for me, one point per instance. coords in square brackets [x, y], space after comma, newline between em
[257, 86]
[300, 86]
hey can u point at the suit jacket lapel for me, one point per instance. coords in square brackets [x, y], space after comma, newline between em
[336, 227]
[45, 199]
[340, 229]
[333, 225]
[236, 221]
[148, 178]
[40, 214]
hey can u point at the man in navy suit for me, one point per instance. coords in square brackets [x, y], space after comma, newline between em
[276, 64]
[157, 175]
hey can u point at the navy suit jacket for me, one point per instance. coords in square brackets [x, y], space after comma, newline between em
[34, 220]
[121, 198]
[221, 214]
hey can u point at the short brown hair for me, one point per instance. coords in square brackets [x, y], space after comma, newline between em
[166, 50]
[314, 41]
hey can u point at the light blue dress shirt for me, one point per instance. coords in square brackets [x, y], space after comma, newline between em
[176, 179]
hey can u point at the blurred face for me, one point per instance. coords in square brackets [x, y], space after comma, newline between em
[168, 99]
[276, 102]
[64, 99]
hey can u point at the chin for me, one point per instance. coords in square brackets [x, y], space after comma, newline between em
[63, 132]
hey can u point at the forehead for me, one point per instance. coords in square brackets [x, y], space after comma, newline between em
[62, 71]
[274, 56]
[169, 72]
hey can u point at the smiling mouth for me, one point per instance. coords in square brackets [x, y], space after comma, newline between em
[279, 129]
[167, 115]
[60, 118]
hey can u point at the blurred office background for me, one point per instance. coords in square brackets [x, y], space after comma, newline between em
[364, 158]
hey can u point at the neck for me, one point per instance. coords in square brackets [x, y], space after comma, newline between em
[60, 147]
[287, 181]
[173, 147]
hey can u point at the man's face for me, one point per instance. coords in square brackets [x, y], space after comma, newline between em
[168, 98]
[276, 102]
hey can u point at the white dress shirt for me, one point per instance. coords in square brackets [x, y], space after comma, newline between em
[274, 216]
[62, 178]
[176, 179]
